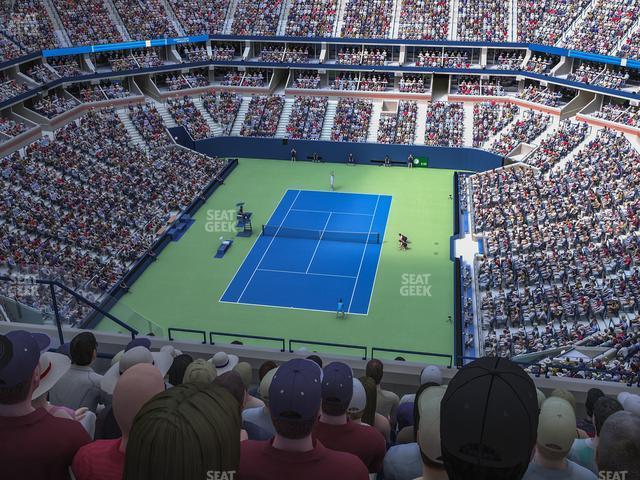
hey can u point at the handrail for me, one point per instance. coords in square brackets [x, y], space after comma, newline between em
[253, 337]
[329, 344]
[413, 352]
[170, 330]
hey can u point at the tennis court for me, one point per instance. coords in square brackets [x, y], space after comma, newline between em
[317, 247]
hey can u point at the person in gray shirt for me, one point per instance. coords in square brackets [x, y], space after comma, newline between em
[80, 386]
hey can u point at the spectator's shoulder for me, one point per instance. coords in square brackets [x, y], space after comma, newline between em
[348, 463]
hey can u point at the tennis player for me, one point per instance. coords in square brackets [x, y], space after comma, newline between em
[340, 309]
[332, 180]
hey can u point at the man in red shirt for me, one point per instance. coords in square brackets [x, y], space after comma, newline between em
[336, 431]
[104, 459]
[294, 402]
[33, 443]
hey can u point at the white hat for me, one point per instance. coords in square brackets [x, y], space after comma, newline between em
[52, 368]
[171, 350]
[359, 397]
[224, 362]
[431, 374]
[162, 361]
[429, 425]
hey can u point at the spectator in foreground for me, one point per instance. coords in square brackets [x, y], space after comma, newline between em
[556, 433]
[80, 386]
[619, 445]
[200, 371]
[335, 430]
[387, 401]
[104, 459]
[428, 433]
[194, 429]
[429, 374]
[245, 372]
[37, 444]
[175, 375]
[587, 424]
[294, 402]
[477, 443]
[583, 450]
[261, 416]
[364, 395]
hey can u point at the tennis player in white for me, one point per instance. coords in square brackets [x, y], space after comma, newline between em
[332, 180]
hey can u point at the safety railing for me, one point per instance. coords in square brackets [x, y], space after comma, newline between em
[279, 340]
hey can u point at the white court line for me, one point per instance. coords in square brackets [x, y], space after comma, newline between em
[305, 273]
[318, 244]
[330, 211]
[287, 308]
[384, 231]
[253, 245]
[268, 246]
[364, 250]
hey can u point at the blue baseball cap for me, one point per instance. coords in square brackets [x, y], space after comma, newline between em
[138, 342]
[19, 355]
[295, 390]
[337, 384]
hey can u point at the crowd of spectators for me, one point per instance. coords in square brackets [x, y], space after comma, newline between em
[9, 50]
[201, 17]
[147, 58]
[424, 20]
[121, 61]
[483, 20]
[375, 82]
[603, 26]
[345, 81]
[311, 18]
[542, 95]
[11, 128]
[367, 19]
[9, 88]
[375, 57]
[257, 17]
[351, 123]
[223, 108]
[558, 145]
[187, 115]
[401, 127]
[40, 73]
[443, 59]
[472, 85]
[194, 53]
[540, 63]
[232, 78]
[444, 125]
[65, 66]
[508, 60]
[263, 116]
[28, 23]
[272, 53]
[415, 83]
[223, 52]
[489, 118]
[173, 81]
[545, 21]
[525, 129]
[562, 252]
[307, 118]
[255, 78]
[106, 89]
[299, 54]
[306, 79]
[80, 205]
[349, 56]
[596, 74]
[87, 22]
[149, 124]
[631, 47]
[54, 104]
[145, 19]
[624, 114]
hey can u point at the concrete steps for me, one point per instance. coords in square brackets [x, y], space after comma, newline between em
[468, 124]
[136, 138]
[421, 122]
[329, 117]
[281, 132]
[374, 122]
[116, 19]
[59, 30]
[215, 127]
[242, 112]
[168, 119]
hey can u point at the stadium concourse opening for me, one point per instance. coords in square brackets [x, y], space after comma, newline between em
[185, 286]
[317, 250]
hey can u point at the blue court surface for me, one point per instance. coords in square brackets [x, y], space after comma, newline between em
[317, 248]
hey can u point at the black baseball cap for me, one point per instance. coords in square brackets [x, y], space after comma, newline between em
[489, 421]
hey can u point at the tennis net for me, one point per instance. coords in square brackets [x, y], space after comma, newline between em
[336, 236]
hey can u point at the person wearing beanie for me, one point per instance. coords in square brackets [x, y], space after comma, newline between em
[104, 459]
[583, 450]
[335, 430]
[556, 433]
[294, 401]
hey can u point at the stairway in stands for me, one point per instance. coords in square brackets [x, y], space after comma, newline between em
[242, 112]
[329, 117]
[421, 122]
[467, 135]
[214, 126]
[131, 129]
[169, 121]
[374, 121]
[172, 17]
[284, 118]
